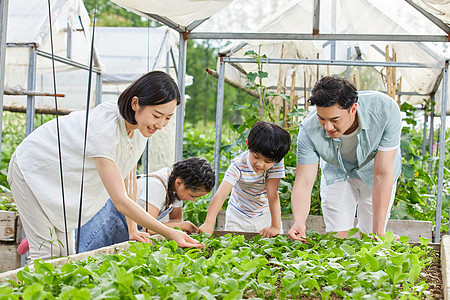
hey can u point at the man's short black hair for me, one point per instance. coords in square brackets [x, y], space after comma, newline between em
[153, 88]
[333, 89]
[270, 140]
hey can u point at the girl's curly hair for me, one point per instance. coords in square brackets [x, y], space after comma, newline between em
[196, 173]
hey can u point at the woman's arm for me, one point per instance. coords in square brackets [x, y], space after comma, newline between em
[131, 189]
[112, 180]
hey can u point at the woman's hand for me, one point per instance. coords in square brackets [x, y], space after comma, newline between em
[140, 236]
[183, 240]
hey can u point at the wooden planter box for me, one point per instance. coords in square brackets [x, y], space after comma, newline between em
[10, 237]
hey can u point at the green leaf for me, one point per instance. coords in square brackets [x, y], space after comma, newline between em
[348, 249]
[352, 232]
[414, 274]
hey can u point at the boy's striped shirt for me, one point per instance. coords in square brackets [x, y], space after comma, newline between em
[249, 193]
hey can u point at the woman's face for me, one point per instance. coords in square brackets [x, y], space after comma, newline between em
[187, 194]
[151, 118]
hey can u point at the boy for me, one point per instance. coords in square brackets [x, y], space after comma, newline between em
[253, 179]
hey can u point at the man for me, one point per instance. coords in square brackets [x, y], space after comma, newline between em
[356, 138]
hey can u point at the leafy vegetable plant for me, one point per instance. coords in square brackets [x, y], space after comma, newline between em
[230, 267]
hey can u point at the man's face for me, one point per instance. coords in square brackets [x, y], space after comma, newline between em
[336, 121]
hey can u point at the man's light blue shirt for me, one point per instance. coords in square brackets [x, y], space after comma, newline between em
[381, 125]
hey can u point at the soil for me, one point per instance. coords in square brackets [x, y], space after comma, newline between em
[433, 277]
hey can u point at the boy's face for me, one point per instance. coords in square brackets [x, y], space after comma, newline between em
[259, 162]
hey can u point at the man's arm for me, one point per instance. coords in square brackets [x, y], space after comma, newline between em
[383, 178]
[215, 206]
[275, 208]
[305, 176]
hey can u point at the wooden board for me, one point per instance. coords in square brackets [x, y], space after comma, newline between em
[9, 258]
[413, 229]
[8, 226]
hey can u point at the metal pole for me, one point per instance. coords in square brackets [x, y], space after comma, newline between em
[98, 89]
[437, 233]
[31, 86]
[3, 22]
[431, 135]
[168, 62]
[424, 137]
[349, 56]
[219, 117]
[180, 109]
[69, 41]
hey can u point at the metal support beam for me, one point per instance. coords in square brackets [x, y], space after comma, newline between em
[66, 61]
[316, 17]
[195, 24]
[219, 117]
[181, 108]
[322, 37]
[437, 233]
[330, 62]
[31, 86]
[3, 22]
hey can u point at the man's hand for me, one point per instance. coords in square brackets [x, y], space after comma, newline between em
[140, 236]
[298, 232]
[269, 232]
[207, 228]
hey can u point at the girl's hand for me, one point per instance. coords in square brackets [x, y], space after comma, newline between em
[188, 227]
[183, 240]
[140, 236]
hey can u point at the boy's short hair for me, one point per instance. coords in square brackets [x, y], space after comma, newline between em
[270, 140]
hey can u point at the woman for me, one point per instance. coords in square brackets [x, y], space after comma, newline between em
[167, 188]
[115, 141]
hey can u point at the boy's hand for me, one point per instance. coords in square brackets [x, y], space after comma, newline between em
[206, 227]
[269, 232]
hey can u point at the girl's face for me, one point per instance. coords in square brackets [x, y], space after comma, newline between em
[151, 118]
[187, 194]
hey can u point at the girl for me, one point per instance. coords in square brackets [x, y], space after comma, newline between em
[116, 138]
[189, 179]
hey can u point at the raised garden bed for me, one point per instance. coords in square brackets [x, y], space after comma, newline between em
[231, 267]
[10, 234]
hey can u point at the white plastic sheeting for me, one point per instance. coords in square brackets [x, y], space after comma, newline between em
[182, 12]
[28, 24]
[439, 8]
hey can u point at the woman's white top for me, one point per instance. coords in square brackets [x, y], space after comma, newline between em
[38, 160]
[156, 190]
